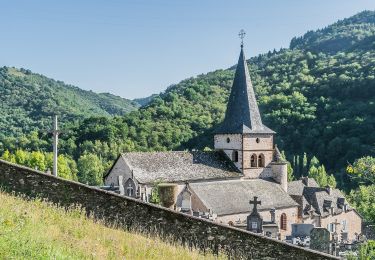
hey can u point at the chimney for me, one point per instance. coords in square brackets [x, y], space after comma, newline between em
[272, 212]
[305, 181]
[329, 189]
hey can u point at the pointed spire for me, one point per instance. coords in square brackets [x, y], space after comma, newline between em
[242, 115]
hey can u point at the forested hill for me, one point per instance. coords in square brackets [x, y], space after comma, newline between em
[319, 98]
[354, 33]
[318, 95]
[28, 100]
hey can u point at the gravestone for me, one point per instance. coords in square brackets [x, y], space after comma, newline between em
[320, 239]
[254, 220]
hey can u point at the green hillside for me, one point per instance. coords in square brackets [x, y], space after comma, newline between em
[28, 100]
[356, 32]
[39, 230]
[319, 100]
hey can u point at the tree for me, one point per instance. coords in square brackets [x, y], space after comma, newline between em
[289, 167]
[363, 199]
[363, 170]
[304, 165]
[37, 161]
[319, 174]
[90, 169]
[155, 194]
[66, 168]
[7, 156]
[21, 157]
[314, 162]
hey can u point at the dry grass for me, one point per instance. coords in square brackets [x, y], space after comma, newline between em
[38, 230]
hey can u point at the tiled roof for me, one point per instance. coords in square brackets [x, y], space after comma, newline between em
[322, 201]
[296, 187]
[179, 166]
[315, 198]
[242, 114]
[233, 196]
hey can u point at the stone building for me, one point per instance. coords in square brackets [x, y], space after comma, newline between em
[325, 207]
[219, 184]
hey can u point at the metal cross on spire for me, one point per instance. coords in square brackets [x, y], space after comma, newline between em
[242, 34]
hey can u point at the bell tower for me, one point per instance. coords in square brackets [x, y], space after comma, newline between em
[242, 135]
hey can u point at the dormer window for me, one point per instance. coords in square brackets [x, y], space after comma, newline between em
[228, 140]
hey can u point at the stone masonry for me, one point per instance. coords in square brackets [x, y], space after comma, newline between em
[134, 215]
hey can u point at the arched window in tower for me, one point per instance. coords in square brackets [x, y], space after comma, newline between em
[283, 221]
[261, 160]
[253, 161]
[235, 156]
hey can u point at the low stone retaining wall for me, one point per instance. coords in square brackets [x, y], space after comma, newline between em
[150, 219]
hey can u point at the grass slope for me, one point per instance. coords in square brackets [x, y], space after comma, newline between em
[38, 230]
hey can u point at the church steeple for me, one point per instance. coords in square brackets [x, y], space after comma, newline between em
[242, 115]
[242, 136]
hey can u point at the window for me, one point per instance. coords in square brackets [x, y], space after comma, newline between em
[228, 140]
[257, 140]
[343, 223]
[254, 225]
[253, 161]
[283, 222]
[331, 227]
[235, 156]
[261, 160]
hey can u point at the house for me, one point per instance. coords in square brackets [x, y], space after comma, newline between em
[325, 207]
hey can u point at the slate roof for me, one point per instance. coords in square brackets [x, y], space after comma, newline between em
[319, 200]
[233, 196]
[322, 201]
[242, 114]
[179, 166]
[296, 187]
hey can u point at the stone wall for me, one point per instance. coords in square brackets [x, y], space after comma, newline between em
[142, 217]
[291, 213]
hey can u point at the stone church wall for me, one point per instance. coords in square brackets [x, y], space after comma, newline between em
[120, 168]
[291, 213]
[146, 218]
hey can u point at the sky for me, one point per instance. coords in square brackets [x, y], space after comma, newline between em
[136, 48]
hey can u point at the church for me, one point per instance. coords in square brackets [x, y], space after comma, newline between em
[220, 185]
